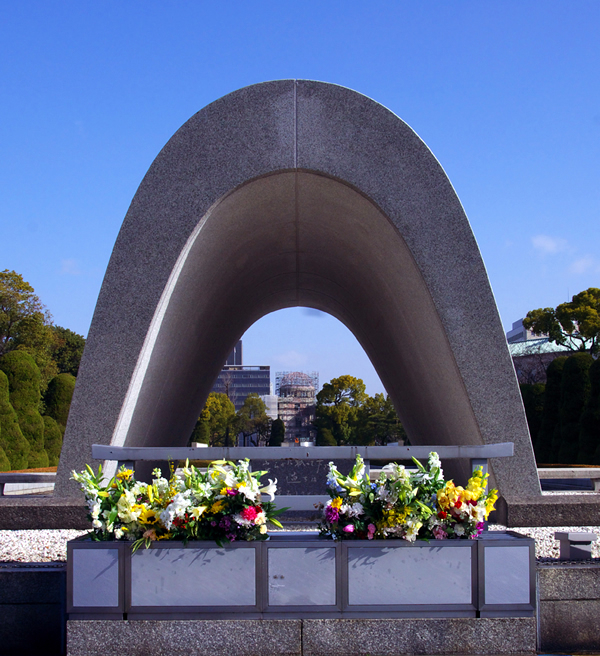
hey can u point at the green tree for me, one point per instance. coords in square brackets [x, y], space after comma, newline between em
[25, 324]
[574, 393]
[277, 432]
[549, 434]
[53, 436]
[67, 350]
[589, 434]
[252, 420]
[219, 415]
[338, 410]
[574, 324]
[533, 402]
[58, 398]
[201, 432]
[14, 445]
[24, 391]
[378, 422]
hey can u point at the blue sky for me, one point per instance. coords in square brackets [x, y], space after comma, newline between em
[505, 94]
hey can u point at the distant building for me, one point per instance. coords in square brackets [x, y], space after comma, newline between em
[531, 354]
[519, 333]
[271, 402]
[297, 403]
[238, 380]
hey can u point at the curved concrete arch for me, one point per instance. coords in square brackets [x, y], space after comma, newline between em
[295, 193]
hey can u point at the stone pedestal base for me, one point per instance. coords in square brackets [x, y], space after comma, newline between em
[360, 637]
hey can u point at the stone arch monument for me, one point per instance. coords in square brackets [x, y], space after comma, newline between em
[297, 193]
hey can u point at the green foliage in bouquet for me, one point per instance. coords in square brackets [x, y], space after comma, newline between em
[223, 504]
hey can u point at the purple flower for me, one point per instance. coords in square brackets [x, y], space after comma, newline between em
[332, 514]
[349, 528]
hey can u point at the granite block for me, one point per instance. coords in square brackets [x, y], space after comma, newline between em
[570, 626]
[184, 638]
[392, 637]
[569, 583]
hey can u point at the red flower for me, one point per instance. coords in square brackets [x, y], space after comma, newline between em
[249, 513]
[442, 514]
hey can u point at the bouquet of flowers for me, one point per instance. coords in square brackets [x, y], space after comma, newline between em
[223, 504]
[404, 503]
[359, 509]
[461, 512]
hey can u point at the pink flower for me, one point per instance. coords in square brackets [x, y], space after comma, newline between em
[439, 533]
[349, 528]
[249, 513]
[371, 531]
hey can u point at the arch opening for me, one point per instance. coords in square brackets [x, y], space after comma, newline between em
[298, 239]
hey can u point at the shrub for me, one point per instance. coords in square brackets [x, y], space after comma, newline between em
[574, 393]
[24, 389]
[15, 446]
[548, 438]
[589, 434]
[53, 437]
[58, 398]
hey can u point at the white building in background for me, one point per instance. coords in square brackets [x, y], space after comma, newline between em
[271, 401]
[518, 333]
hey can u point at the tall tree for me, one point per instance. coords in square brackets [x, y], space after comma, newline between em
[252, 420]
[219, 415]
[589, 434]
[574, 393]
[548, 438]
[25, 324]
[338, 410]
[379, 423]
[277, 433]
[67, 350]
[574, 324]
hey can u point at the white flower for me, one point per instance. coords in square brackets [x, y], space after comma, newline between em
[119, 533]
[238, 519]
[459, 529]
[270, 489]
[97, 523]
[249, 490]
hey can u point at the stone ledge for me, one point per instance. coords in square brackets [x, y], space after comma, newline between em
[184, 637]
[23, 513]
[386, 637]
[554, 510]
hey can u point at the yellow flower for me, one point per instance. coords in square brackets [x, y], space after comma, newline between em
[147, 516]
[490, 501]
[196, 512]
[337, 503]
[217, 506]
[125, 474]
[263, 529]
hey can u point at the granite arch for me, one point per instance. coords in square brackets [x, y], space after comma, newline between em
[294, 193]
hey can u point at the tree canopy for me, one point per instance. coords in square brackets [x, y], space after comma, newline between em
[252, 420]
[347, 415]
[574, 324]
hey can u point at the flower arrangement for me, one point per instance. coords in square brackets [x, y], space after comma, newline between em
[406, 504]
[223, 504]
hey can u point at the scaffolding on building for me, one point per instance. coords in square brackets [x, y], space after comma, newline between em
[292, 379]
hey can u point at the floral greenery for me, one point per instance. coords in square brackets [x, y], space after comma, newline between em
[223, 504]
[406, 504]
